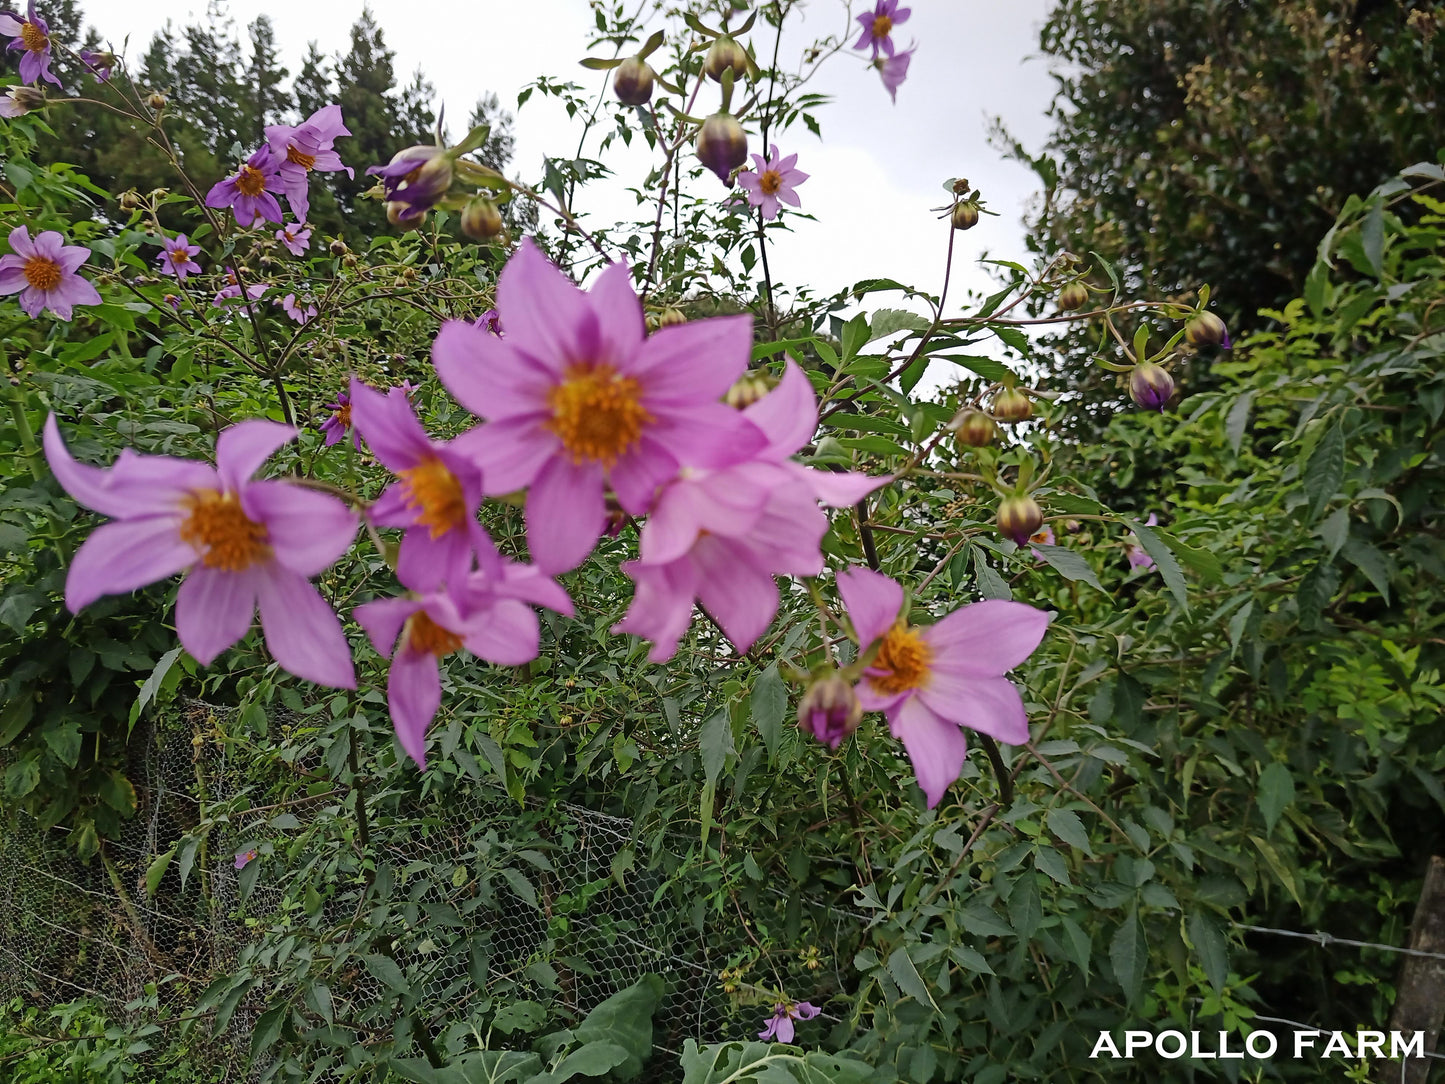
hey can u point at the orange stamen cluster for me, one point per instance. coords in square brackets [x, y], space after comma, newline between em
[597, 414]
[225, 536]
[343, 415]
[250, 181]
[301, 158]
[882, 26]
[770, 182]
[41, 273]
[431, 489]
[33, 38]
[425, 635]
[905, 656]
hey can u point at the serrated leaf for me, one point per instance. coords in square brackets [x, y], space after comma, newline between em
[1065, 824]
[1324, 471]
[385, 969]
[1164, 561]
[716, 742]
[905, 974]
[770, 705]
[1077, 943]
[992, 370]
[1372, 562]
[1276, 793]
[1025, 910]
[1129, 957]
[1051, 863]
[889, 321]
[1068, 564]
[990, 583]
[1211, 948]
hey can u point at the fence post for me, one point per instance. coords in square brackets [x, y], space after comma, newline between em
[1420, 993]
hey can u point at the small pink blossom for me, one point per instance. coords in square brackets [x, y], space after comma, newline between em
[176, 257]
[32, 39]
[245, 858]
[878, 26]
[296, 237]
[232, 290]
[577, 399]
[243, 544]
[295, 310]
[894, 71]
[1042, 537]
[306, 147]
[931, 681]
[780, 1025]
[772, 180]
[44, 272]
[339, 423]
[1138, 558]
[251, 192]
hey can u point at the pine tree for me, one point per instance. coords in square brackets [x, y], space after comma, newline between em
[313, 85]
[263, 83]
[365, 89]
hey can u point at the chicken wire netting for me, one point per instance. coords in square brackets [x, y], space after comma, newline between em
[579, 923]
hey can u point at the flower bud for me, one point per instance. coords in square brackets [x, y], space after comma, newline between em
[129, 200]
[1011, 406]
[830, 710]
[722, 145]
[1206, 329]
[1073, 296]
[746, 391]
[1150, 386]
[481, 219]
[21, 100]
[397, 212]
[724, 54]
[633, 82]
[338, 248]
[156, 100]
[670, 318]
[965, 214]
[1019, 518]
[975, 429]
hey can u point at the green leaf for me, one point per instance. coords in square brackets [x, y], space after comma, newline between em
[1129, 956]
[1335, 530]
[992, 370]
[1065, 824]
[1276, 793]
[1025, 910]
[1077, 943]
[1211, 948]
[905, 974]
[64, 741]
[1374, 564]
[624, 1021]
[889, 321]
[770, 704]
[716, 741]
[1372, 237]
[1237, 420]
[268, 1030]
[1069, 564]
[1163, 561]
[1051, 863]
[1324, 471]
[979, 919]
[384, 968]
[990, 583]
[157, 870]
[592, 1059]
[152, 684]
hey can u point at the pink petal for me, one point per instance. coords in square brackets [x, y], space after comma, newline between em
[936, 747]
[413, 693]
[694, 362]
[689, 507]
[424, 563]
[661, 606]
[544, 313]
[565, 515]
[839, 490]
[20, 242]
[530, 584]
[509, 637]
[741, 597]
[510, 453]
[619, 311]
[991, 706]
[309, 531]
[872, 600]
[486, 375]
[383, 619]
[303, 633]
[708, 435]
[636, 476]
[120, 557]
[987, 639]
[784, 1031]
[243, 447]
[787, 415]
[12, 276]
[214, 609]
[873, 700]
[389, 425]
[135, 486]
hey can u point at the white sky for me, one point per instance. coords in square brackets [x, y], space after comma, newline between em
[874, 176]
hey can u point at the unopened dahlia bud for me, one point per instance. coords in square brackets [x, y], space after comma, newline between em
[975, 429]
[129, 200]
[156, 100]
[724, 54]
[633, 81]
[722, 145]
[1206, 329]
[1019, 518]
[1011, 406]
[1150, 386]
[965, 214]
[481, 219]
[670, 318]
[746, 391]
[1073, 296]
[338, 248]
[416, 179]
[19, 100]
[830, 710]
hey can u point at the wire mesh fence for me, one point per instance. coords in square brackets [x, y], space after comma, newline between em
[584, 921]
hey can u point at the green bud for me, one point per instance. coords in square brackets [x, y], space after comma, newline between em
[724, 54]
[1073, 296]
[481, 219]
[1012, 406]
[633, 82]
[965, 214]
[975, 429]
[1019, 518]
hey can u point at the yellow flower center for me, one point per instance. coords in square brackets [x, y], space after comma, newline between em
[770, 182]
[343, 415]
[425, 635]
[33, 38]
[597, 414]
[905, 656]
[41, 273]
[432, 490]
[1041, 537]
[250, 181]
[226, 537]
[301, 158]
[882, 26]
[180, 256]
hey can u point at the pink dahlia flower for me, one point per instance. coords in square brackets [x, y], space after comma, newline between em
[307, 147]
[32, 34]
[773, 180]
[577, 398]
[435, 497]
[232, 290]
[878, 26]
[933, 680]
[294, 309]
[1042, 537]
[336, 426]
[489, 613]
[243, 545]
[720, 536]
[780, 1025]
[100, 63]
[251, 193]
[1138, 558]
[245, 858]
[894, 71]
[296, 238]
[175, 258]
[44, 273]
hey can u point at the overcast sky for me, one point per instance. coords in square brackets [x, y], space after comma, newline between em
[875, 174]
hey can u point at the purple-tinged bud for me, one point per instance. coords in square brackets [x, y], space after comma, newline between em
[1073, 296]
[481, 219]
[1150, 386]
[965, 214]
[19, 100]
[633, 82]
[1019, 518]
[722, 145]
[976, 429]
[417, 177]
[1206, 329]
[724, 54]
[338, 248]
[830, 710]
[1012, 406]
